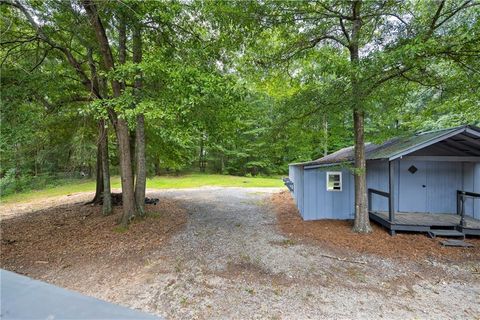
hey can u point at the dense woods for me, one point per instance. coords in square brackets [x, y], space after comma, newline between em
[100, 88]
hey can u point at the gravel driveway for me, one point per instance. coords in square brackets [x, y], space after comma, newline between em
[230, 262]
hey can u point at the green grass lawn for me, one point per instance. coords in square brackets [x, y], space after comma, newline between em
[164, 182]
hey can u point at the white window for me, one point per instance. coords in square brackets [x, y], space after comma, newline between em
[334, 181]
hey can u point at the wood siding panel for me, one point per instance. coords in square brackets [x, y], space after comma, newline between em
[352, 196]
[412, 190]
[476, 188]
[291, 173]
[320, 196]
[323, 204]
[341, 200]
[310, 199]
[468, 170]
[443, 181]
[377, 178]
[295, 173]
[299, 176]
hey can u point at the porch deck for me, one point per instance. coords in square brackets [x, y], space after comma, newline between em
[424, 222]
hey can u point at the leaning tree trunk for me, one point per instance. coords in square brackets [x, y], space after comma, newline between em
[141, 167]
[99, 181]
[90, 84]
[362, 222]
[107, 193]
[99, 174]
[120, 124]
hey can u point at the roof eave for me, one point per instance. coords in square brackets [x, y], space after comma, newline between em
[427, 143]
[327, 164]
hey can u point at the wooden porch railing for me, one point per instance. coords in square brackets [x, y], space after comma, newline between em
[371, 192]
[461, 197]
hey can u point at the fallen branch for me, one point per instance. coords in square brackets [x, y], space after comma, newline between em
[416, 274]
[342, 259]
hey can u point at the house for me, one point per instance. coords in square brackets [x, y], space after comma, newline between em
[428, 181]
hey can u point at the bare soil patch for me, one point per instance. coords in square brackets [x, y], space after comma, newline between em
[8, 210]
[76, 236]
[337, 235]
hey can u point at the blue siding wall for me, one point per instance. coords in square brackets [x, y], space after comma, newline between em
[377, 178]
[432, 188]
[295, 173]
[441, 181]
[322, 204]
[477, 190]
[412, 190]
[469, 185]
[471, 182]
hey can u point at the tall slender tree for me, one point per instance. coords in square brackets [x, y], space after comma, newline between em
[91, 84]
[140, 157]
[120, 123]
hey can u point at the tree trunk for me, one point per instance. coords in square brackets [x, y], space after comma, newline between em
[201, 160]
[107, 193]
[97, 198]
[157, 166]
[99, 187]
[128, 196]
[35, 163]
[325, 135]
[141, 178]
[99, 180]
[140, 157]
[132, 134]
[122, 39]
[121, 125]
[122, 59]
[362, 222]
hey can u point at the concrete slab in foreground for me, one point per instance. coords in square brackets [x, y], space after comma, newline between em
[24, 298]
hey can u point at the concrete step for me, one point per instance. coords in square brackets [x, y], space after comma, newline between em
[445, 233]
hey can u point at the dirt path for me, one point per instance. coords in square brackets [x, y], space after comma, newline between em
[230, 261]
[9, 210]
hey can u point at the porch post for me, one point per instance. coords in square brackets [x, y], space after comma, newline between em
[391, 191]
[462, 210]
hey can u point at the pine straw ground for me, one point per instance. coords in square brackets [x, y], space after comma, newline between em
[337, 235]
[77, 236]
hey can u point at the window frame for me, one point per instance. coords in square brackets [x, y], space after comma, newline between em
[332, 173]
